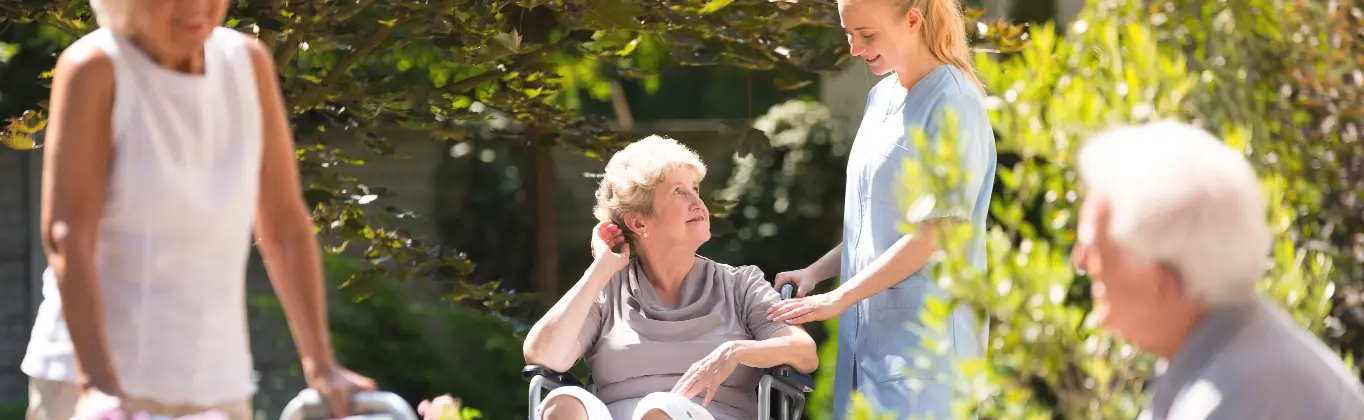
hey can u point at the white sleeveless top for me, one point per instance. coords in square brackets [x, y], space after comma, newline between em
[176, 230]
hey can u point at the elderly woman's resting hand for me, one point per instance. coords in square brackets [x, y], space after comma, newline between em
[710, 372]
[787, 346]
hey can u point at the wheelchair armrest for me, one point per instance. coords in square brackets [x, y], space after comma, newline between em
[555, 378]
[793, 378]
[786, 374]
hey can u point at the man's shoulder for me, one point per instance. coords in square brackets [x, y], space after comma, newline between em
[1283, 365]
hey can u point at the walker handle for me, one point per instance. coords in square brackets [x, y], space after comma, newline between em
[787, 290]
[309, 404]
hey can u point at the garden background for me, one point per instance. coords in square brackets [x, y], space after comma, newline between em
[448, 149]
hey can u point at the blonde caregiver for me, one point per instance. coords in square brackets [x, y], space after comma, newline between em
[884, 273]
[167, 144]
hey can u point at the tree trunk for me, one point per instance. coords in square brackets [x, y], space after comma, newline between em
[544, 198]
[621, 107]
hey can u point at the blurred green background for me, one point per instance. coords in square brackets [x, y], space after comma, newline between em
[451, 166]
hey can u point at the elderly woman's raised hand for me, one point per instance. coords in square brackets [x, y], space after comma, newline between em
[605, 237]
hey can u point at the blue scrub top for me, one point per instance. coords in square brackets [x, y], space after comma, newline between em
[877, 337]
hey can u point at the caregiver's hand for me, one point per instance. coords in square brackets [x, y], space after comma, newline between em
[709, 373]
[807, 309]
[804, 280]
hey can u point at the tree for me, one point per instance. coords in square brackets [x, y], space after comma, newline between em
[349, 68]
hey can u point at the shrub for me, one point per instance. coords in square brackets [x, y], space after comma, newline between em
[1289, 72]
[421, 350]
[16, 409]
[1045, 360]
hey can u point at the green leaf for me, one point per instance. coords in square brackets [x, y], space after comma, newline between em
[753, 142]
[713, 6]
[440, 75]
[511, 41]
[612, 14]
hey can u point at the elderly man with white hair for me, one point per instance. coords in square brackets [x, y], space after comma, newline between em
[1173, 235]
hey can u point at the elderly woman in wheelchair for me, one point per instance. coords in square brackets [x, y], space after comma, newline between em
[666, 334]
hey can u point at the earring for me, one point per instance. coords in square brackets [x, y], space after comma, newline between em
[646, 234]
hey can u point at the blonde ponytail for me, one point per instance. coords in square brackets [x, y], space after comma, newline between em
[944, 33]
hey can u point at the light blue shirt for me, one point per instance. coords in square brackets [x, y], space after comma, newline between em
[877, 336]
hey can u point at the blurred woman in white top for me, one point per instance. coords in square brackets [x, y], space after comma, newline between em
[167, 144]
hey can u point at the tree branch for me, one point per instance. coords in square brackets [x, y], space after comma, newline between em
[354, 57]
[471, 82]
[267, 36]
[314, 94]
[519, 63]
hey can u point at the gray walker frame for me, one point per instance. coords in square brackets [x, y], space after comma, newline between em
[371, 405]
[790, 384]
[364, 405]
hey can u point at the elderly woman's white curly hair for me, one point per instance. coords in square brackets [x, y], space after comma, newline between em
[631, 175]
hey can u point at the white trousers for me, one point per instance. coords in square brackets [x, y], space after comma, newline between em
[675, 406]
[53, 400]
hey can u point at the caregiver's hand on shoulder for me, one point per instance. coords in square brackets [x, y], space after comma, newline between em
[709, 373]
[807, 309]
[804, 280]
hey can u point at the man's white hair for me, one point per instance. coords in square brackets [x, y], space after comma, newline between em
[1178, 196]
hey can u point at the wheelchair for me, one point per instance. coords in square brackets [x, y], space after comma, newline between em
[790, 384]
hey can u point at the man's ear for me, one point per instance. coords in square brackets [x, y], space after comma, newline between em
[914, 20]
[1169, 284]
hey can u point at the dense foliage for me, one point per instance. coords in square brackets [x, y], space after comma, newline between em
[1280, 78]
[785, 189]
[352, 68]
[1289, 73]
[1045, 360]
[419, 349]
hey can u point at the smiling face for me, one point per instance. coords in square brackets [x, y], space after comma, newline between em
[879, 33]
[1131, 298]
[173, 27]
[679, 217]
